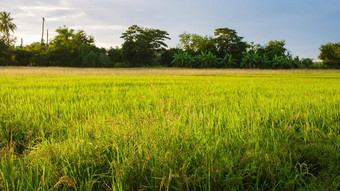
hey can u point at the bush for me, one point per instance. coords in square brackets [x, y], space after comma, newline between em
[318, 65]
[21, 57]
[121, 65]
[42, 59]
[307, 62]
[90, 59]
[115, 55]
[228, 62]
[63, 57]
[5, 54]
[183, 59]
[281, 62]
[167, 56]
[207, 60]
[104, 60]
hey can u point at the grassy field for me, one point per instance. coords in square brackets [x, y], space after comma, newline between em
[169, 129]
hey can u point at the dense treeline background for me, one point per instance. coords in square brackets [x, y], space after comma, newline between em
[146, 47]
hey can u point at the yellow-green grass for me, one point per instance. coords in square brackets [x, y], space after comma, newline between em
[169, 129]
[146, 71]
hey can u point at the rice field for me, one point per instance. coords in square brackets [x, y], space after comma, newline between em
[169, 129]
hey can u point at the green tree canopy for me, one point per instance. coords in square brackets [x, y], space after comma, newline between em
[185, 40]
[35, 47]
[6, 26]
[197, 43]
[141, 45]
[5, 56]
[275, 48]
[330, 54]
[115, 54]
[228, 42]
[68, 39]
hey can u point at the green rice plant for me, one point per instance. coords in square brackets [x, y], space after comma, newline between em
[74, 130]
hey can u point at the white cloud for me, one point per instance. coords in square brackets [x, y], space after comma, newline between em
[63, 18]
[107, 27]
[44, 8]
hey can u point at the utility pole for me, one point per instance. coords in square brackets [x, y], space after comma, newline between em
[21, 43]
[47, 41]
[42, 36]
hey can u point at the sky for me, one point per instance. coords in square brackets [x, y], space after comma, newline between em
[303, 24]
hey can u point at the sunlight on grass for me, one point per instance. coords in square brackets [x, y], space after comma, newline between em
[176, 129]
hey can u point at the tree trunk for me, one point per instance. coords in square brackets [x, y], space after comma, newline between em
[47, 41]
[42, 36]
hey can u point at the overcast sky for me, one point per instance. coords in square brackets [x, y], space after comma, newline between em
[304, 24]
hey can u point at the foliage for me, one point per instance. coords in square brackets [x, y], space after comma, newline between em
[183, 59]
[145, 47]
[228, 42]
[307, 62]
[256, 56]
[257, 61]
[272, 56]
[5, 55]
[197, 43]
[115, 55]
[105, 60]
[168, 56]
[225, 42]
[330, 54]
[21, 57]
[203, 60]
[207, 60]
[60, 57]
[228, 61]
[13, 56]
[281, 62]
[302, 63]
[38, 55]
[251, 60]
[67, 39]
[90, 58]
[48, 59]
[35, 48]
[318, 65]
[63, 49]
[275, 48]
[7, 26]
[84, 50]
[141, 45]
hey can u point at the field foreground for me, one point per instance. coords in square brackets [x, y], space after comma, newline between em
[169, 129]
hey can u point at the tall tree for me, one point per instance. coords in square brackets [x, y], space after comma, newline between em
[228, 42]
[64, 47]
[330, 54]
[5, 55]
[141, 45]
[6, 25]
[185, 40]
[197, 43]
[275, 48]
[68, 39]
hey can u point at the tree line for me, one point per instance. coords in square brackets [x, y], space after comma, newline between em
[146, 47]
